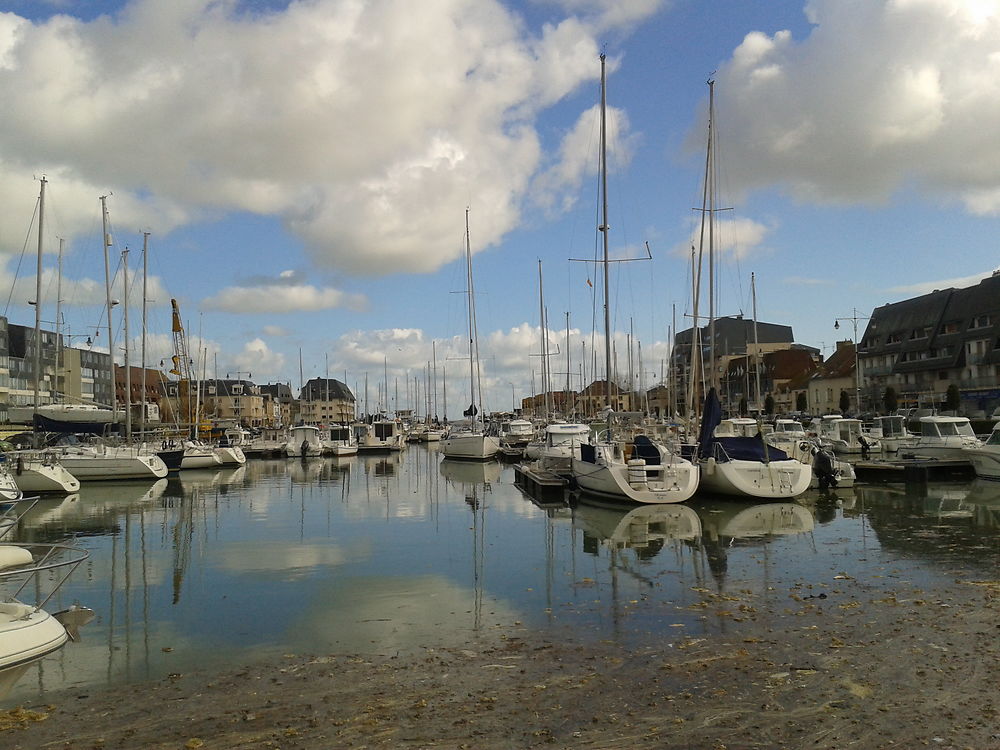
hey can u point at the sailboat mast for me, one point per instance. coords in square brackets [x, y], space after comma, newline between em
[106, 241]
[145, 299]
[38, 300]
[128, 368]
[603, 229]
[544, 340]
[756, 344]
[710, 189]
[434, 384]
[472, 353]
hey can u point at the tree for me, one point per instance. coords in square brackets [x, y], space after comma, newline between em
[801, 401]
[769, 404]
[845, 402]
[952, 398]
[890, 400]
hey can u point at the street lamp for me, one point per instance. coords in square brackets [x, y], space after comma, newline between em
[857, 366]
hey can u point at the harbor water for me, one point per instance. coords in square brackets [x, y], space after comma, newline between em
[397, 552]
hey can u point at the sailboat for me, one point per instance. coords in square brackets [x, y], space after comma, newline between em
[471, 441]
[651, 472]
[739, 466]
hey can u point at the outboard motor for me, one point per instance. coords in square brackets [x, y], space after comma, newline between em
[824, 468]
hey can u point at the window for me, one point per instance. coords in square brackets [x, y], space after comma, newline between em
[238, 389]
[981, 321]
[894, 338]
[952, 327]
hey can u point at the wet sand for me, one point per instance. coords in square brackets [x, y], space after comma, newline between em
[854, 667]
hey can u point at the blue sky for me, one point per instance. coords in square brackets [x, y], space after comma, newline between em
[304, 169]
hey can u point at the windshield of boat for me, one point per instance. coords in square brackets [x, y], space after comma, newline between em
[950, 429]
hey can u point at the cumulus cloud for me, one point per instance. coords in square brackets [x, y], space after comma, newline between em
[881, 93]
[257, 357]
[734, 237]
[338, 117]
[282, 298]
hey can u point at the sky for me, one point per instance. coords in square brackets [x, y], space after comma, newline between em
[304, 170]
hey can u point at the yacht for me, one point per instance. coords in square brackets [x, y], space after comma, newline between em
[985, 459]
[341, 441]
[843, 435]
[650, 473]
[894, 434]
[98, 460]
[303, 441]
[946, 438]
[27, 632]
[39, 472]
[380, 435]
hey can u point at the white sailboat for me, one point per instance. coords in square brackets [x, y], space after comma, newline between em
[654, 473]
[472, 440]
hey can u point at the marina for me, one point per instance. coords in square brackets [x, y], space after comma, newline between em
[403, 551]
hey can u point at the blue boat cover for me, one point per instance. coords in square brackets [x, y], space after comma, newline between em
[736, 448]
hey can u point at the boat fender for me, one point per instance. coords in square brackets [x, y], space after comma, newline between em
[20, 465]
[709, 467]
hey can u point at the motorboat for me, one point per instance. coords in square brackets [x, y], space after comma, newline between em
[947, 438]
[985, 459]
[894, 433]
[793, 441]
[843, 435]
[39, 472]
[650, 473]
[303, 441]
[560, 444]
[516, 432]
[27, 632]
[340, 442]
[380, 435]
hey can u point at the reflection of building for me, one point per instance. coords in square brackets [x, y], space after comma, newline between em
[922, 345]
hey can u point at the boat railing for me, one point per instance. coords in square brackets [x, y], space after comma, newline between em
[26, 562]
[12, 511]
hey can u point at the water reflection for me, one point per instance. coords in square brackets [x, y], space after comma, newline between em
[403, 550]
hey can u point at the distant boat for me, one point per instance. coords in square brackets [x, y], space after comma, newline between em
[303, 441]
[472, 441]
[341, 441]
[985, 459]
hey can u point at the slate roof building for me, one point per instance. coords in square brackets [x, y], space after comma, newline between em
[922, 345]
[324, 401]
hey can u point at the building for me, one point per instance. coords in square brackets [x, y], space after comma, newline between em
[776, 370]
[591, 400]
[324, 401]
[833, 377]
[280, 407]
[923, 345]
[151, 397]
[736, 337]
[559, 402]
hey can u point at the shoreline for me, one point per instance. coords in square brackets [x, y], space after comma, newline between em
[865, 668]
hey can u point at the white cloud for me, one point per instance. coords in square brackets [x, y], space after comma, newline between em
[341, 118]
[257, 358]
[734, 237]
[276, 331]
[281, 298]
[880, 94]
[925, 287]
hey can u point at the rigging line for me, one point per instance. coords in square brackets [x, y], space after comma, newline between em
[20, 258]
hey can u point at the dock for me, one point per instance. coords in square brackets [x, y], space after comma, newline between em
[539, 483]
[912, 470]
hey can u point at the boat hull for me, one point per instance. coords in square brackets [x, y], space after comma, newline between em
[674, 481]
[93, 468]
[755, 479]
[474, 447]
[985, 461]
[38, 475]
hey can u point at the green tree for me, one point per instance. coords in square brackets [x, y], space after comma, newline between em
[890, 400]
[845, 402]
[801, 401]
[952, 398]
[769, 404]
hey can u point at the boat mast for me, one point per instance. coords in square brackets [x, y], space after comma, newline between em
[468, 280]
[145, 299]
[38, 306]
[106, 241]
[434, 385]
[128, 373]
[59, 335]
[756, 344]
[710, 190]
[544, 340]
[603, 229]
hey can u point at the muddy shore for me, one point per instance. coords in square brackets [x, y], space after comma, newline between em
[855, 668]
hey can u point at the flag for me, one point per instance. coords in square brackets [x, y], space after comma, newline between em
[471, 411]
[589, 284]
